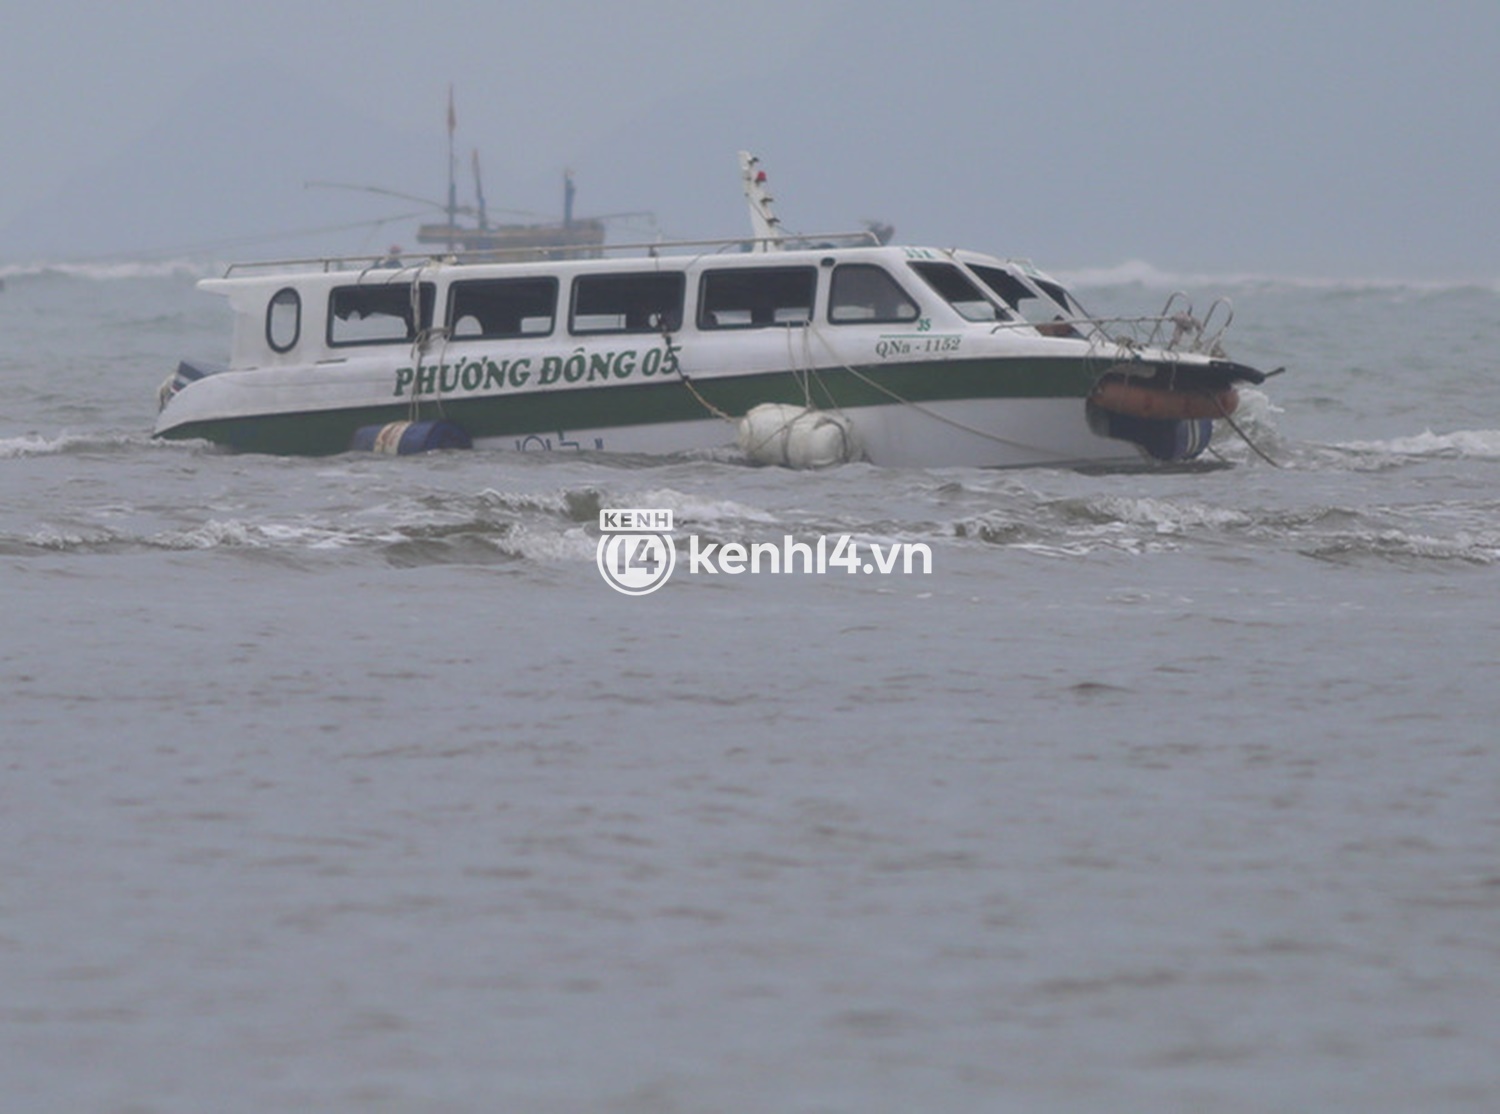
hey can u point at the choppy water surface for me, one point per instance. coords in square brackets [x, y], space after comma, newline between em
[347, 784]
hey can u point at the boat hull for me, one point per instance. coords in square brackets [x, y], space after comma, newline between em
[667, 354]
[998, 413]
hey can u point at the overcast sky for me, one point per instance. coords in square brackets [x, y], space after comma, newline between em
[1341, 138]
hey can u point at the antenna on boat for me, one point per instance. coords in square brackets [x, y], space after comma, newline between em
[766, 224]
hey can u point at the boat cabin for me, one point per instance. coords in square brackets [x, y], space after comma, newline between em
[327, 311]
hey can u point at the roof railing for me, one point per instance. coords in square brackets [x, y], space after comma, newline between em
[1188, 334]
[553, 253]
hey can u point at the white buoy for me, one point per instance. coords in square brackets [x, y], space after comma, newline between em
[797, 436]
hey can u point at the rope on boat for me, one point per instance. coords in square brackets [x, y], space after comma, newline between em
[421, 338]
[812, 374]
[1245, 437]
[807, 376]
[933, 414]
[919, 408]
[666, 337]
[710, 407]
[801, 375]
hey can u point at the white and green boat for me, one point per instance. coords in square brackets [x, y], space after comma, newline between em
[804, 351]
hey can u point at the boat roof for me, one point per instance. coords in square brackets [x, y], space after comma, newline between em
[564, 259]
[556, 253]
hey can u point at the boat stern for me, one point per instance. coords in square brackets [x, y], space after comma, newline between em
[1167, 408]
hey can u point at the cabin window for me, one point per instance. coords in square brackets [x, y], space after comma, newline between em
[863, 293]
[959, 292]
[630, 303]
[284, 320]
[1059, 295]
[1048, 311]
[749, 298]
[1011, 289]
[492, 309]
[380, 314]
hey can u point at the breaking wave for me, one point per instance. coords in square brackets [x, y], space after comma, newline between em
[32, 444]
[976, 514]
[1133, 272]
[1473, 444]
[110, 270]
[1142, 274]
[429, 528]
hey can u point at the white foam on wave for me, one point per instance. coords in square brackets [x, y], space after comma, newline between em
[1164, 516]
[1470, 444]
[1137, 272]
[34, 444]
[541, 542]
[1482, 548]
[212, 535]
[1256, 407]
[235, 533]
[697, 510]
[1134, 272]
[113, 270]
[549, 547]
[1130, 272]
[551, 503]
[64, 541]
[31, 445]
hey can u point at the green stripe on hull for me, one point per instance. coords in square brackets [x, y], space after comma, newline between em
[319, 433]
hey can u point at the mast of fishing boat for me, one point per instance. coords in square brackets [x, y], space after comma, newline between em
[484, 221]
[452, 173]
[766, 224]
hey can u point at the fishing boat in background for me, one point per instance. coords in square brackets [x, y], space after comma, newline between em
[572, 236]
[801, 350]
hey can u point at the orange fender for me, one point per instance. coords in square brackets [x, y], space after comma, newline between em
[1119, 396]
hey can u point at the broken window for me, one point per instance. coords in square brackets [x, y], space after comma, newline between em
[1050, 310]
[959, 292]
[1005, 284]
[382, 314]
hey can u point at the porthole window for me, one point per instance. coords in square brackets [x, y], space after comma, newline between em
[284, 320]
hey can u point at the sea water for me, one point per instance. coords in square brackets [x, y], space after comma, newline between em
[348, 784]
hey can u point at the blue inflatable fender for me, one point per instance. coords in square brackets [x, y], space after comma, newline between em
[405, 438]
